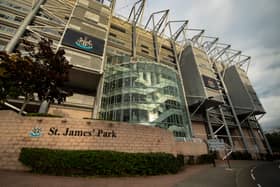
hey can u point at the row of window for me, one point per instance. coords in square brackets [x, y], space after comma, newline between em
[138, 115]
[179, 134]
[105, 2]
[172, 104]
[7, 29]
[153, 78]
[148, 67]
[135, 115]
[45, 16]
[2, 47]
[115, 41]
[11, 17]
[117, 99]
[170, 90]
[14, 6]
[167, 48]
[118, 28]
[131, 82]
[125, 83]
[174, 119]
[137, 98]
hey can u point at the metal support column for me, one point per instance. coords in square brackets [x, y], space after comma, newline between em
[97, 102]
[135, 15]
[181, 80]
[265, 139]
[226, 127]
[254, 136]
[156, 25]
[27, 20]
[209, 124]
[231, 106]
[134, 40]
[155, 39]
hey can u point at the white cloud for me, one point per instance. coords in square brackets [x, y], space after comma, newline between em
[269, 120]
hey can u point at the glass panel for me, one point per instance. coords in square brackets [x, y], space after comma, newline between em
[144, 92]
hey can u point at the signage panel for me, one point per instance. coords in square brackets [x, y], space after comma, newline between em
[210, 82]
[84, 42]
[54, 131]
[216, 144]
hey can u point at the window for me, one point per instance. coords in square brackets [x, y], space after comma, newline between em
[144, 76]
[144, 51]
[158, 78]
[4, 16]
[166, 48]
[118, 28]
[11, 17]
[126, 98]
[127, 82]
[14, 6]
[143, 115]
[2, 47]
[126, 115]
[169, 90]
[118, 115]
[7, 29]
[144, 46]
[106, 88]
[115, 41]
[170, 56]
[18, 19]
[112, 100]
[113, 85]
[119, 83]
[153, 78]
[118, 99]
[112, 34]
[135, 114]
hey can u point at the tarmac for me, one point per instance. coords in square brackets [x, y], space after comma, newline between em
[194, 176]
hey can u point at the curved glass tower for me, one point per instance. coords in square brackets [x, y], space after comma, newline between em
[144, 92]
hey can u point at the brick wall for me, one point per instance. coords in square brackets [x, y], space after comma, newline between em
[80, 134]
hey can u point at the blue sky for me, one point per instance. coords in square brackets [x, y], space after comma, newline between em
[251, 26]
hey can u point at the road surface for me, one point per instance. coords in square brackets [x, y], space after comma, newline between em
[242, 174]
[266, 175]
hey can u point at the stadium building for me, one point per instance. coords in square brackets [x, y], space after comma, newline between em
[161, 74]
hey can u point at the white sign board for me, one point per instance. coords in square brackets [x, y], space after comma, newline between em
[216, 144]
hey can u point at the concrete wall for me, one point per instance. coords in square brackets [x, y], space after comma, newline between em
[15, 133]
[260, 142]
[253, 148]
[192, 80]
[199, 130]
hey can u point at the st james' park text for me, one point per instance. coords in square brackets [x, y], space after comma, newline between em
[74, 132]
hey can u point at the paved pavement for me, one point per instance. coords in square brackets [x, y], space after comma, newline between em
[242, 174]
[191, 176]
[25, 179]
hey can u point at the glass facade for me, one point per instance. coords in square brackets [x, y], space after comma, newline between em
[145, 93]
